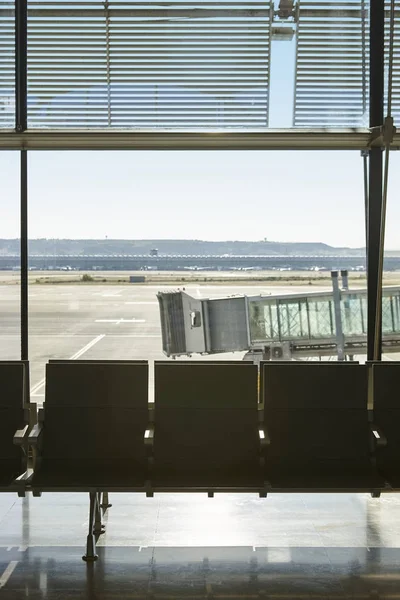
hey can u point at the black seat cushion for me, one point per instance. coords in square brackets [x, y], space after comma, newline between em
[94, 473]
[303, 479]
[210, 478]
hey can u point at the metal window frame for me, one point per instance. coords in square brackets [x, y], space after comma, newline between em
[272, 139]
[375, 183]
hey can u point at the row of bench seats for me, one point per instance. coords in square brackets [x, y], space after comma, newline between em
[314, 429]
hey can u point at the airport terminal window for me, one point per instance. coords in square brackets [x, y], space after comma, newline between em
[98, 219]
[7, 65]
[204, 67]
[246, 65]
[10, 257]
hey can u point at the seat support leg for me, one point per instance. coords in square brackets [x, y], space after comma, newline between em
[91, 555]
[105, 502]
[98, 525]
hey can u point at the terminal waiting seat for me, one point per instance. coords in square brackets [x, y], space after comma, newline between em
[14, 422]
[91, 430]
[206, 427]
[386, 420]
[316, 424]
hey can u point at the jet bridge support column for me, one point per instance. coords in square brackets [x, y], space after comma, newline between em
[338, 315]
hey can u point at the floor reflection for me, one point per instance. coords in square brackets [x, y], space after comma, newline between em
[190, 547]
[208, 572]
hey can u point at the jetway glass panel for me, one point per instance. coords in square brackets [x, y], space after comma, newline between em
[354, 314]
[391, 313]
[280, 319]
[313, 317]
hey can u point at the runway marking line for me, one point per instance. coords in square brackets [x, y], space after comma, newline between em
[118, 321]
[113, 295]
[75, 356]
[132, 335]
[8, 572]
[141, 303]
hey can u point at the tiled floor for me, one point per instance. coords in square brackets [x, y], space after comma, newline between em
[189, 546]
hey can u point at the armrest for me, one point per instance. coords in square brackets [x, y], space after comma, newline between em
[149, 436]
[35, 433]
[263, 437]
[378, 435]
[20, 436]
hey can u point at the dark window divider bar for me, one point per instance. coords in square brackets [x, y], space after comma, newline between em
[24, 252]
[21, 58]
[374, 221]
[21, 29]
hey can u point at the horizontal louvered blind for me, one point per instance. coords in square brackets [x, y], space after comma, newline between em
[332, 57]
[7, 65]
[143, 65]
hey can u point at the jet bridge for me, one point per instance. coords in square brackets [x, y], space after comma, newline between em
[276, 326]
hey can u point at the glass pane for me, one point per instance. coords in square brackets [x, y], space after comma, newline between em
[354, 313]
[331, 83]
[7, 65]
[391, 276]
[9, 257]
[207, 225]
[119, 64]
[207, 65]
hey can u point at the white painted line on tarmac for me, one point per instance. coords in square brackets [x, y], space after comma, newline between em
[133, 335]
[118, 321]
[37, 387]
[87, 347]
[8, 572]
[113, 295]
[75, 356]
[141, 303]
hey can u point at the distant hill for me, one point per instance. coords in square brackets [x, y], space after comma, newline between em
[50, 247]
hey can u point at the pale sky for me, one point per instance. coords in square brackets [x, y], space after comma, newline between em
[281, 196]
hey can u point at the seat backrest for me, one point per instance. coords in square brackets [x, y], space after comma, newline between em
[190, 361]
[96, 411]
[316, 417]
[91, 361]
[13, 380]
[386, 410]
[301, 363]
[205, 415]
